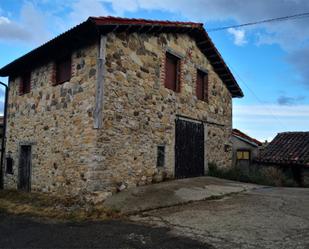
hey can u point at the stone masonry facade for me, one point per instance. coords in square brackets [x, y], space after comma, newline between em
[70, 156]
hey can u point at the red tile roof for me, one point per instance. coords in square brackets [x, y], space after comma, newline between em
[94, 26]
[103, 20]
[238, 133]
[287, 148]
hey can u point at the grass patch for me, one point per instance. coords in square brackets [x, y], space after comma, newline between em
[47, 206]
[269, 176]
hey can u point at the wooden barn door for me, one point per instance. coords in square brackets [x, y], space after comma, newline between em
[24, 171]
[189, 148]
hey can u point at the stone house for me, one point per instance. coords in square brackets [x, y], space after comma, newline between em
[289, 151]
[114, 103]
[245, 149]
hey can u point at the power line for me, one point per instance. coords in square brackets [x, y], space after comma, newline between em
[277, 19]
[258, 99]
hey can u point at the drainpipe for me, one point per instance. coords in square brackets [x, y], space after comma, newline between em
[3, 135]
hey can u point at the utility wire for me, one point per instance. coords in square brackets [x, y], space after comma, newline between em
[278, 19]
[258, 99]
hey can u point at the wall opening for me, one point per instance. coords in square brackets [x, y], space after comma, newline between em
[9, 165]
[160, 156]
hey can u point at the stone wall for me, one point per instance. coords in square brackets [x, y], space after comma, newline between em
[70, 156]
[57, 121]
[139, 112]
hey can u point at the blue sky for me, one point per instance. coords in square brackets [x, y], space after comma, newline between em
[269, 61]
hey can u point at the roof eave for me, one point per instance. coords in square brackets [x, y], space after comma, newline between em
[94, 26]
[38, 54]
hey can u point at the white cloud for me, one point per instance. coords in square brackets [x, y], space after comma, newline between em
[31, 26]
[35, 21]
[122, 6]
[4, 20]
[272, 110]
[265, 121]
[239, 36]
[12, 31]
[82, 9]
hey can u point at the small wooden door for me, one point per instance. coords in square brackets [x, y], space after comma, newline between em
[24, 171]
[189, 149]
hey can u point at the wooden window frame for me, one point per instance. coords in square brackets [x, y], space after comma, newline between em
[25, 83]
[176, 85]
[242, 151]
[205, 85]
[63, 68]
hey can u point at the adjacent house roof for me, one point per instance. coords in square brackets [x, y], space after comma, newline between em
[237, 133]
[287, 148]
[94, 26]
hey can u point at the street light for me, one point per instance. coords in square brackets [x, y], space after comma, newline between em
[4, 134]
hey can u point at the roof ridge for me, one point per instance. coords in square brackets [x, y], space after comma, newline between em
[146, 20]
[292, 132]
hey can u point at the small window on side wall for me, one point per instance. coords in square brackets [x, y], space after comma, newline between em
[9, 165]
[243, 155]
[160, 155]
[172, 68]
[63, 70]
[25, 83]
[202, 85]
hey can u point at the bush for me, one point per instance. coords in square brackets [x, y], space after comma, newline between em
[265, 175]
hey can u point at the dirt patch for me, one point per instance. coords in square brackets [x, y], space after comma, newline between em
[52, 207]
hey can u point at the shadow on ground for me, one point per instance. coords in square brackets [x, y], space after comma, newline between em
[25, 232]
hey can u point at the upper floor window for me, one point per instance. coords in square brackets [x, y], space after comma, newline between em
[202, 85]
[63, 70]
[172, 66]
[25, 84]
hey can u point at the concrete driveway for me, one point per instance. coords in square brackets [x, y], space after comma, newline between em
[175, 192]
[259, 218]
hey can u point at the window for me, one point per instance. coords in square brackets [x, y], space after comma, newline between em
[25, 84]
[63, 70]
[243, 155]
[9, 165]
[172, 64]
[202, 85]
[160, 156]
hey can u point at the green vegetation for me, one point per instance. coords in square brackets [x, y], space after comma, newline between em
[269, 176]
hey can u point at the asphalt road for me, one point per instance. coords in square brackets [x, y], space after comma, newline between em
[23, 232]
[272, 218]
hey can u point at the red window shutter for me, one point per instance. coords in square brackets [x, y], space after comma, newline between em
[205, 91]
[25, 84]
[63, 70]
[202, 85]
[199, 85]
[21, 88]
[171, 72]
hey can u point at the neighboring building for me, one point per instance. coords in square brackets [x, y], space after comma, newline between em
[114, 103]
[289, 151]
[245, 149]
